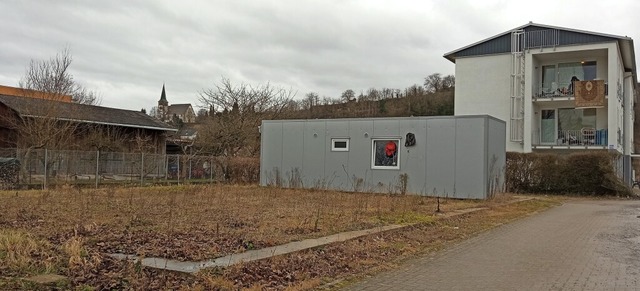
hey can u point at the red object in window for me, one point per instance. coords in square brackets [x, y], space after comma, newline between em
[390, 149]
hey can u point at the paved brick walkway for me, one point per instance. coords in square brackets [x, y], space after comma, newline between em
[587, 245]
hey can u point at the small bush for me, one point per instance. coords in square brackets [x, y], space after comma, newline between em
[580, 173]
[244, 170]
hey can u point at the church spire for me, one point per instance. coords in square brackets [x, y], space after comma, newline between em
[163, 98]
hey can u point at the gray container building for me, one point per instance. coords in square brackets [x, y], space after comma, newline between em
[449, 156]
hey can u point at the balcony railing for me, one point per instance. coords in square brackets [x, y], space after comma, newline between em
[559, 91]
[583, 137]
[542, 38]
[553, 92]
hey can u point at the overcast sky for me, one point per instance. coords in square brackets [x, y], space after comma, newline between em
[126, 50]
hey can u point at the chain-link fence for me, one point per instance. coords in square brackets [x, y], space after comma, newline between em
[41, 168]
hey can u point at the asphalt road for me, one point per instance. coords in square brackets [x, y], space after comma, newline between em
[585, 245]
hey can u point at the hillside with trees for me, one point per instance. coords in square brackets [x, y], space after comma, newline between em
[230, 125]
[433, 98]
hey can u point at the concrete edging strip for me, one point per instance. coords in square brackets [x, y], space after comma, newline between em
[254, 255]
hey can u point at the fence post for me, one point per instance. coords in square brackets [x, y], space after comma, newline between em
[166, 168]
[211, 168]
[44, 185]
[97, 167]
[142, 169]
[189, 167]
[178, 169]
[157, 165]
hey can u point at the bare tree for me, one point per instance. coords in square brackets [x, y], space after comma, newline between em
[449, 82]
[348, 95]
[44, 131]
[54, 79]
[233, 129]
[373, 94]
[311, 99]
[104, 138]
[433, 83]
[153, 112]
[39, 128]
[436, 83]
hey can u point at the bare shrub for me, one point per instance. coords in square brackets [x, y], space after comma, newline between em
[244, 170]
[579, 173]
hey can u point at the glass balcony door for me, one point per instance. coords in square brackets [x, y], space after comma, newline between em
[548, 126]
[557, 79]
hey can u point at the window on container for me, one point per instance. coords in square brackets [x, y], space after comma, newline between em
[385, 154]
[339, 144]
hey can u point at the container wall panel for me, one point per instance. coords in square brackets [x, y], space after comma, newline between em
[313, 160]
[440, 157]
[412, 158]
[359, 164]
[470, 158]
[292, 151]
[337, 162]
[271, 152]
[496, 154]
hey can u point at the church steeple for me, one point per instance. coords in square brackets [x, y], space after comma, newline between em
[163, 106]
[163, 98]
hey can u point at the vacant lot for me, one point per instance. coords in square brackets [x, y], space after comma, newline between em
[68, 231]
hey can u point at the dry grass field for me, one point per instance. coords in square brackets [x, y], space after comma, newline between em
[69, 231]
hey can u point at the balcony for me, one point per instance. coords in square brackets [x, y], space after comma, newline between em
[562, 92]
[586, 138]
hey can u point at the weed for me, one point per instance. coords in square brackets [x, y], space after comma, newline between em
[22, 253]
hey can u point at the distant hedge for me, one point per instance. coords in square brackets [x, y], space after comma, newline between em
[592, 173]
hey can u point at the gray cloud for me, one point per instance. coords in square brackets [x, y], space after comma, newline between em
[127, 49]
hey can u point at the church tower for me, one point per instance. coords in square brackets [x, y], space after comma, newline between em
[163, 105]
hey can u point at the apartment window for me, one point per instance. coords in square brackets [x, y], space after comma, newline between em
[385, 154]
[339, 144]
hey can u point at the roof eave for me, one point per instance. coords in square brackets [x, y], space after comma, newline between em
[110, 123]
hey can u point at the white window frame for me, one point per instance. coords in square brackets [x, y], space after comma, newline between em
[373, 153]
[335, 149]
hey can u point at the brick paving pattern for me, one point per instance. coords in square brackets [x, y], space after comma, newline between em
[586, 245]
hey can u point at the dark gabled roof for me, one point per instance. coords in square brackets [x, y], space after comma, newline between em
[501, 43]
[33, 107]
[187, 131]
[178, 109]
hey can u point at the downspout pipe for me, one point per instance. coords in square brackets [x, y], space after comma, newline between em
[627, 123]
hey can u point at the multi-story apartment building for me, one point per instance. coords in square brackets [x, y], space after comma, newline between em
[559, 89]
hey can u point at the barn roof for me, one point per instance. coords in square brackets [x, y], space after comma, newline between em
[33, 107]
